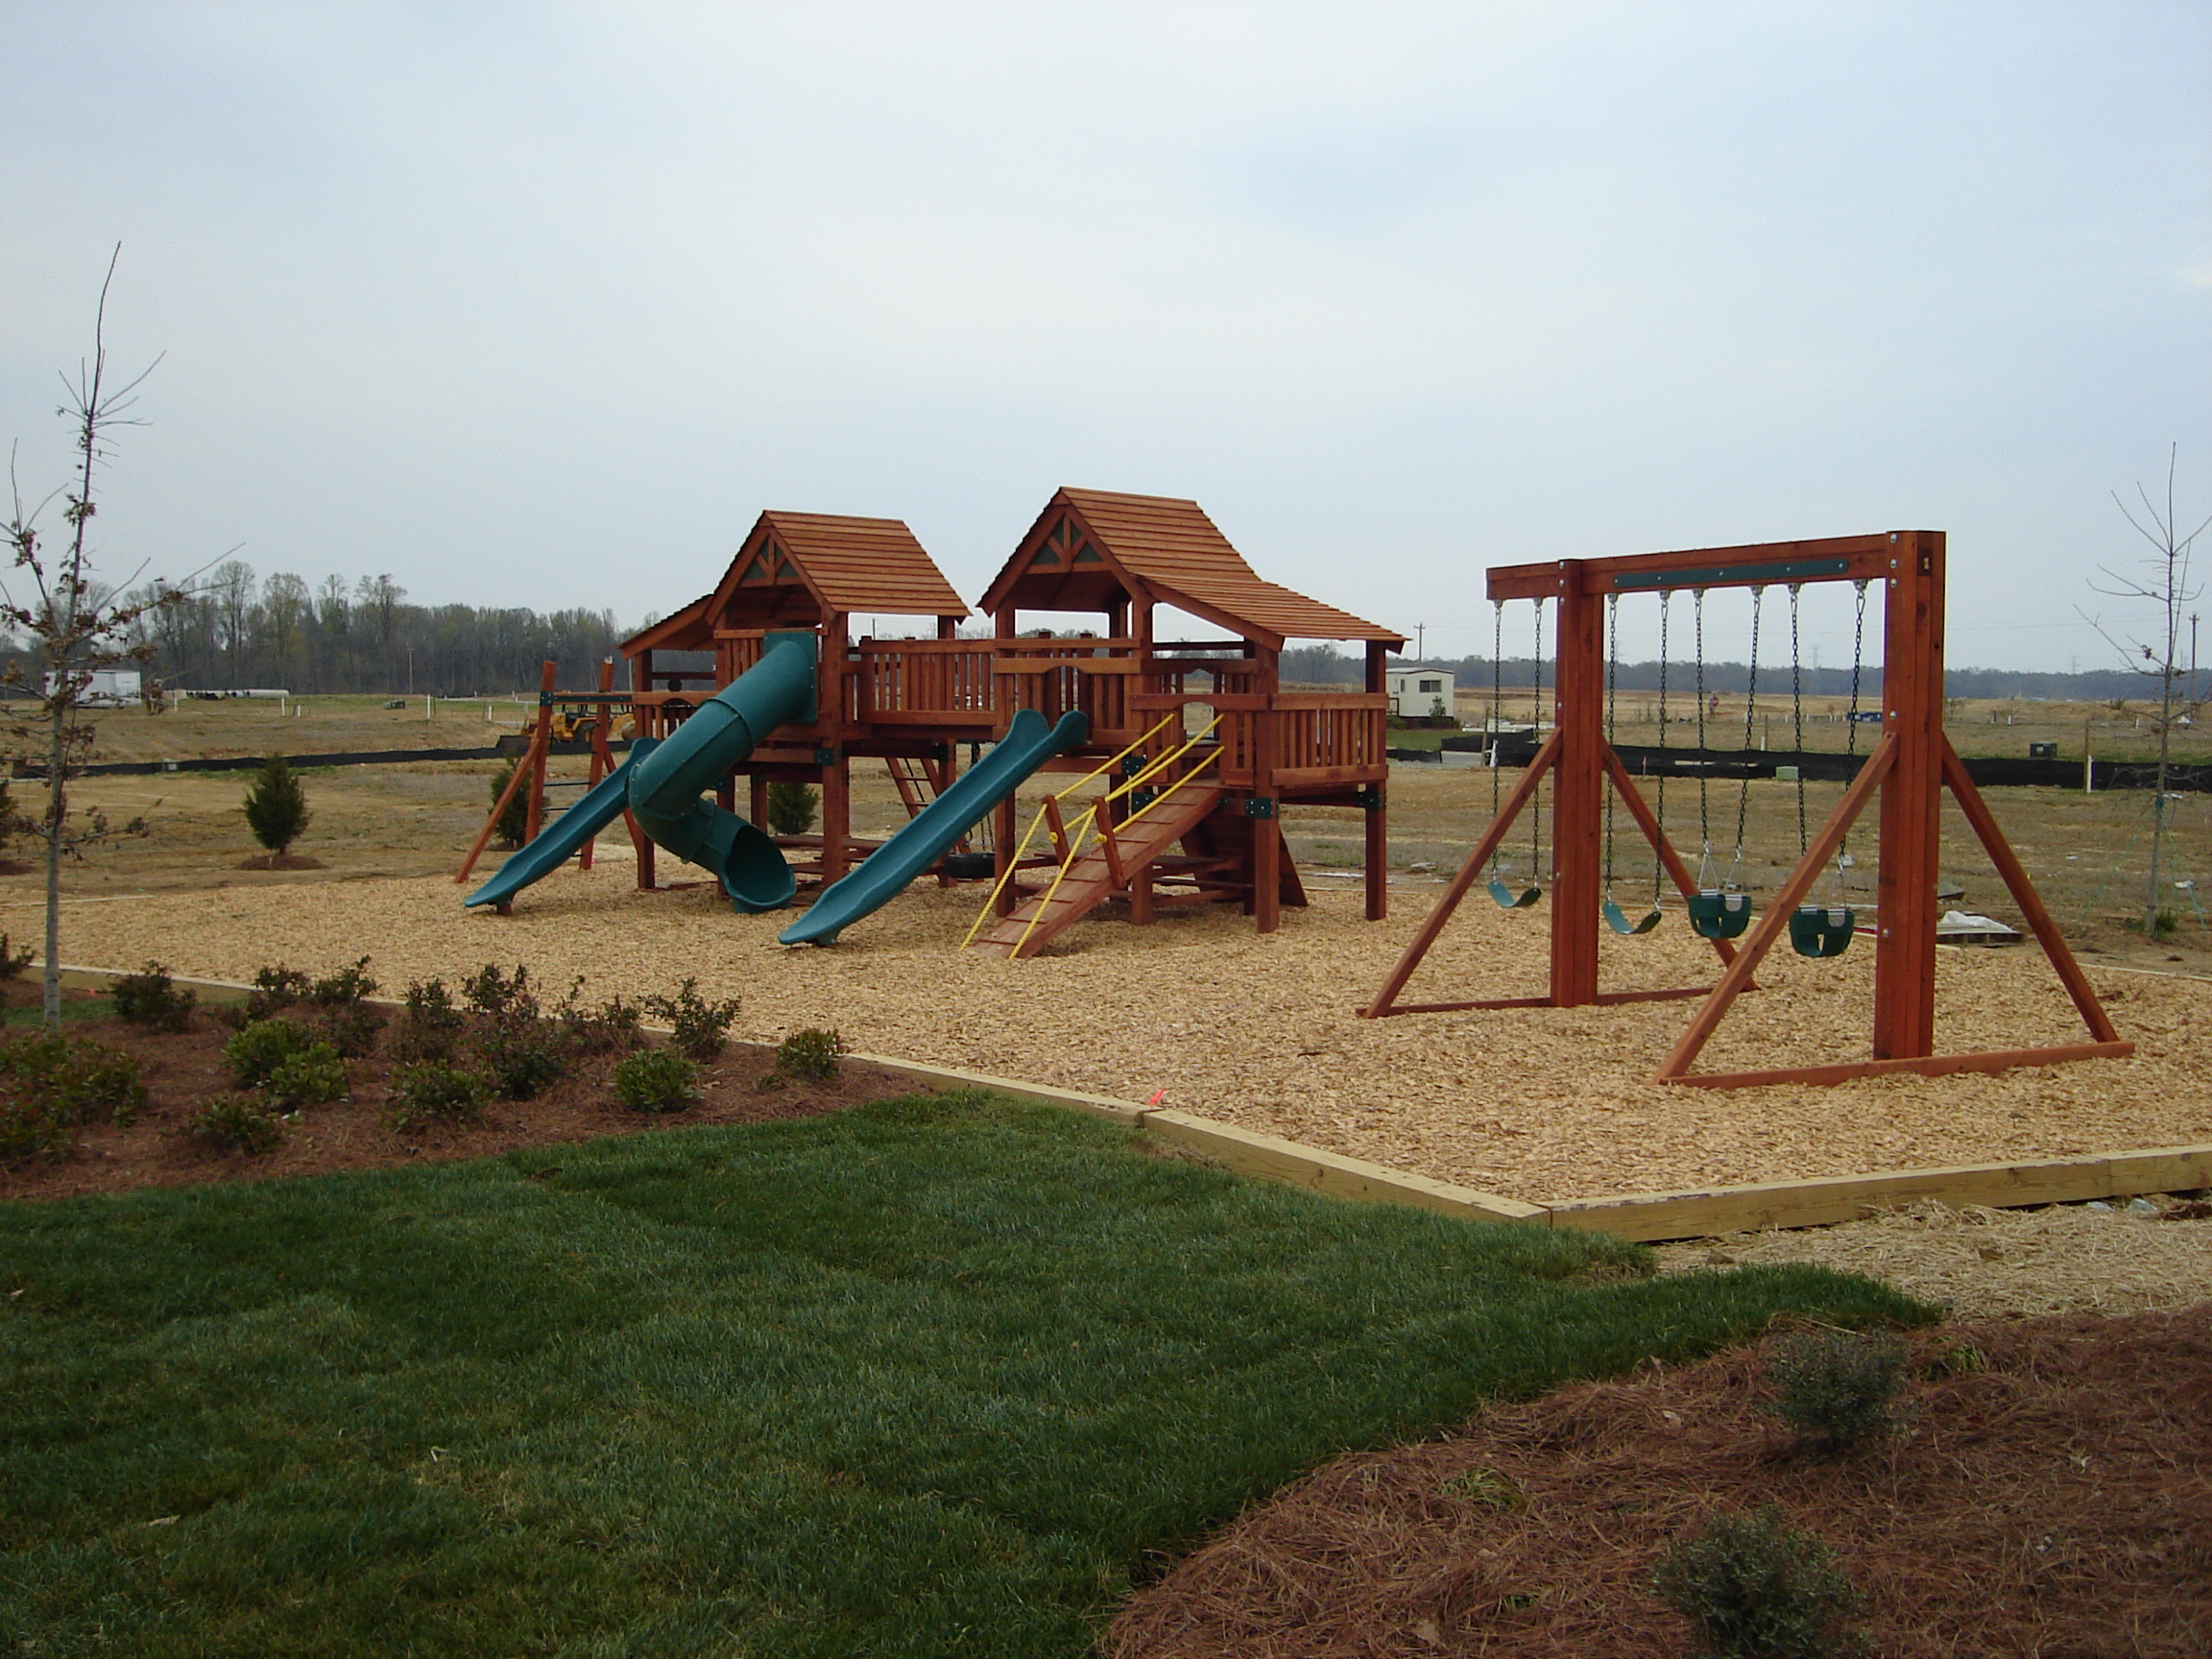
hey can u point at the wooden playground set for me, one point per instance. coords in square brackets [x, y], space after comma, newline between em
[1184, 752]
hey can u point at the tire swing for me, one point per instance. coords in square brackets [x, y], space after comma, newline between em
[1615, 918]
[1503, 893]
[1823, 930]
[1720, 909]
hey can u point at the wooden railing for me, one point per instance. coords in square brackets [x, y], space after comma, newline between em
[923, 683]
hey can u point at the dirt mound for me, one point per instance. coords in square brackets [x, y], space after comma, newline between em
[2051, 1493]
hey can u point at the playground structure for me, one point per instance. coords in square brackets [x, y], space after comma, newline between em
[1119, 706]
[1909, 766]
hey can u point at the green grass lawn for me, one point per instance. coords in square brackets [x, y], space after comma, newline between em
[72, 1008]
[936, 1376]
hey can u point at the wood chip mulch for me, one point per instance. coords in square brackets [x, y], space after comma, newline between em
[2051, 1495]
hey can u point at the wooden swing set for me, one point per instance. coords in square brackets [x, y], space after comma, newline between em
[1911, 765]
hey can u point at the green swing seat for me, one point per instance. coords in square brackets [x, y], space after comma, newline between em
[1513, 898]
[1617, 919]
[1820, 930]
[1719, 915]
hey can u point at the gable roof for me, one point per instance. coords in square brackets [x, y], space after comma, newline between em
[1169, 549]
[846, 564]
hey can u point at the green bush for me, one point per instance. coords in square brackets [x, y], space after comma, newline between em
[613, 1027]
[236, 1123]
[698, 1027]
[428, 1028]
[32, 1126]
[1837, 1385]
[487, 991]
[310, 1077]
[276, 807]
[521, 1057]
[514, 826]
[431, 1092]
[150, 997]
[1757, 1588]
[657, 1080]
[76, 1080]
[275, 990]
[351, 1029]
[791, 808]
[255, 1052]
[809, 1055]
[13, 962]
[344, 989]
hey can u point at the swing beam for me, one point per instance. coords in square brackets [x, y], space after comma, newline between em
[1910, 768]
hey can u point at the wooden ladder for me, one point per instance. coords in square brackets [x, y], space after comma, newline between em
[919, 782]
[1102, 872]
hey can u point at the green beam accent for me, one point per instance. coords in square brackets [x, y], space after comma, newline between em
[1734, 575]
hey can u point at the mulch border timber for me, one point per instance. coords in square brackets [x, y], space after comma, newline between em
[1648, 1216]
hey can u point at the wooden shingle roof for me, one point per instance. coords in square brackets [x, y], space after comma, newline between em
[847, 563]
[1175, 552]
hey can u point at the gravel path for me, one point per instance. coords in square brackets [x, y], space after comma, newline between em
[1541, 1104]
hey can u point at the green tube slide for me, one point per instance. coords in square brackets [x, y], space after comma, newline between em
[664, 782]
[884, 873]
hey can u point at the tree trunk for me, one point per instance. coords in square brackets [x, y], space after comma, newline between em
[56, 811]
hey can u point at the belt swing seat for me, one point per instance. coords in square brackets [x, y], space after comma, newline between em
[1503, 893]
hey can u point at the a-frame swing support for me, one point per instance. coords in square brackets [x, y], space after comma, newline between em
[1910, 768]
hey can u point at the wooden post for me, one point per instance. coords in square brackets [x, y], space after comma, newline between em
[1912, 798]
[602, 757]
[756, 799]
[1577, 789]
[836, 777]
[1375, 840]
[547, 677]
[1266, 905]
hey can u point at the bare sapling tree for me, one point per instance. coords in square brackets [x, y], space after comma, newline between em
[74, 623]
[2156, 652]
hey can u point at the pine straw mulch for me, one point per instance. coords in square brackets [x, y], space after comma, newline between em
[183, 1070]
[2051, 1495]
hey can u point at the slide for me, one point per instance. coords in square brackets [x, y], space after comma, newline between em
[663, 784]
[884, 873]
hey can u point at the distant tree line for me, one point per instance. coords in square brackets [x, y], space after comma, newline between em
[1324, 665]
[235, 631]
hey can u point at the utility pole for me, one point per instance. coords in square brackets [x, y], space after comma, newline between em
[1419, 642]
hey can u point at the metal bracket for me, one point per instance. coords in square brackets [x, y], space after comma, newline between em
[544, 698]
[941, 753]
[824, 756]
[1131, 765]
[1140, 799]
[1367, 800]
[1258, 806]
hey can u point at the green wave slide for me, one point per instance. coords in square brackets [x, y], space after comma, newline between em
[662, 781]
[884, 873]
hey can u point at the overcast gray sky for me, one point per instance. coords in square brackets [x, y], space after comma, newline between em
[542, 304]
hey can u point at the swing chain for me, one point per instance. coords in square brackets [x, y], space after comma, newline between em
[1797, 714]
[1612, 682]
[1658, 864]
[1537, 726]
[1704, 811]
[1750, 717]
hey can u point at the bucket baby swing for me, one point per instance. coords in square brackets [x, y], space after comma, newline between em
[1503, 893]
[1909, 767]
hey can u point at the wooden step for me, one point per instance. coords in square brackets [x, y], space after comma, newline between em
[1089, 879]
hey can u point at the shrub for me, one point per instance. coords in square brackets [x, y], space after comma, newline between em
[809, 1055]
[310, 1077]
[487, 991]
[613, 1027]
[432, 1092]
[347, 987]
[71, 1080]
[655, 1080]
[1757, 1588]
[275, 990]
[514, 826]
[351, 1029]
[521, 1057]
[276, 805]
[150, 997]
[1837, 1386]
[31, 1126]
[698, 1027]
[260, 1047]
[236, 1123]
[791, 808]
[13, 962]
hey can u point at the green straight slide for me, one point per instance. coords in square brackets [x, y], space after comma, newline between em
[884, 873]
[662, 781]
